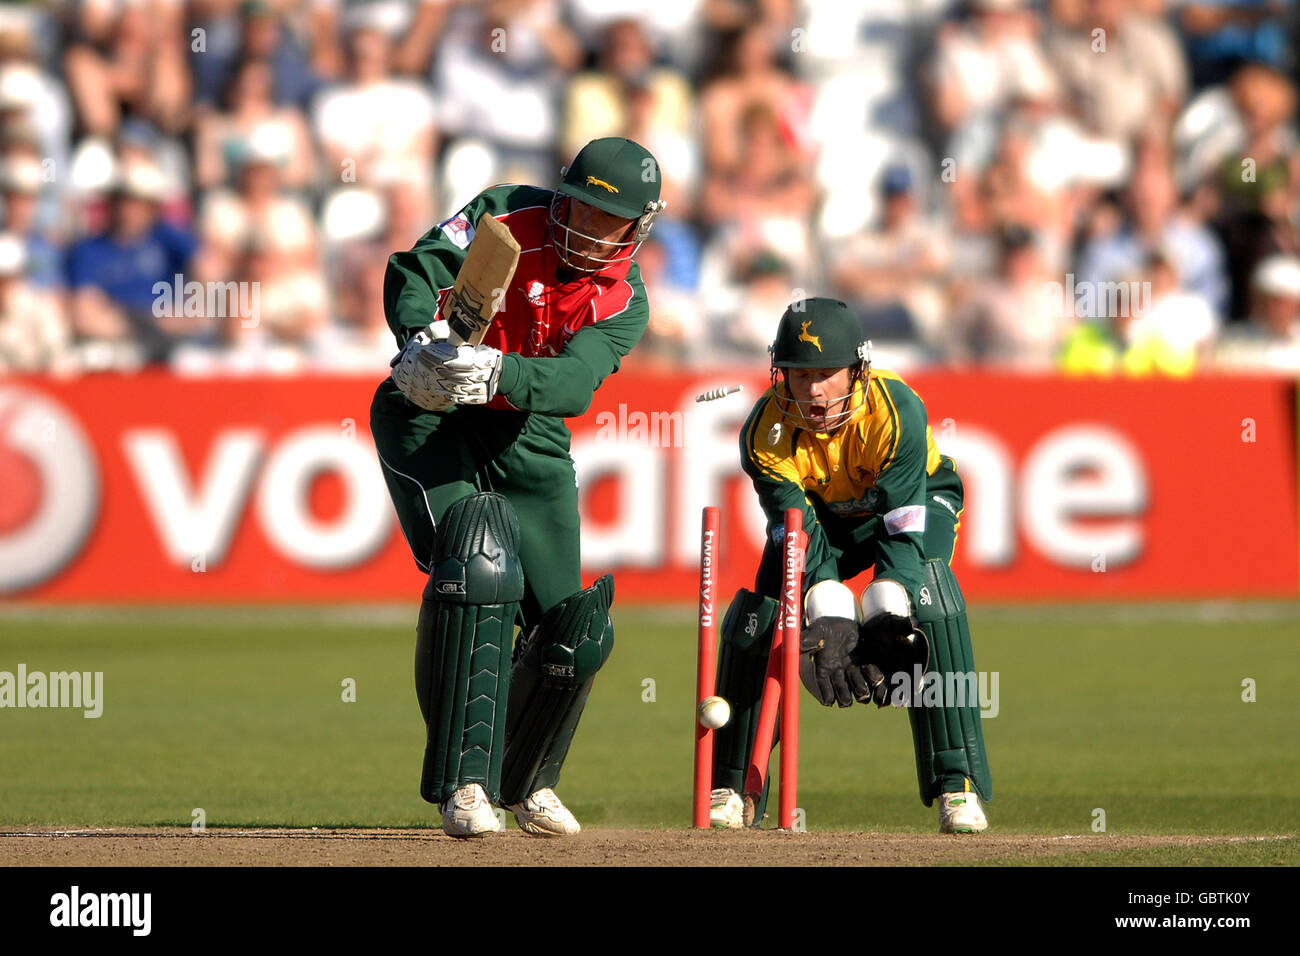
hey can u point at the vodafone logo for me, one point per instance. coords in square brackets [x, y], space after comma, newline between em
[49, 488]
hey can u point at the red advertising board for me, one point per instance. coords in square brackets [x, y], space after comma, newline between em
[153, 488]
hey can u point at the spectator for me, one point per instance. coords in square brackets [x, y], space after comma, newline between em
[1121, 71]
[32, 101]
[627, 95]
[752, 84]
[495, 72]
[747, 329]
[987, 61]
[1223, 34]
[676, 331]
[413, 26]
[112, 275]
[362, 340]
[902, 263]
[1182, 318]
[767, 181]
[1263, 164]
[376, 130]
[1257, 180]
[1159, 333]
[259, 33]
[20, 187]
[1270, 342]
[1155, 220]
[1013, 319]
[279, 328]
[251, 112]
[258, 209]
[127, 57]
[33, 333]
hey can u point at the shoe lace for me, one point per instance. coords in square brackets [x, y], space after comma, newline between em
[466, 798]
[547, 800]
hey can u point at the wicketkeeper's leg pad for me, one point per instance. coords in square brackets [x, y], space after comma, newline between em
[554, 668]
[742, 666]
[463, 641]
[945, 718]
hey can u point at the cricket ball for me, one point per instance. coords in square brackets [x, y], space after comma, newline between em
[714, 712]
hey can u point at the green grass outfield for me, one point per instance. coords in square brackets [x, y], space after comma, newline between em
[1136, 710]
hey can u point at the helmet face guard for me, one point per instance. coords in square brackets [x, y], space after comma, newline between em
[797, 410]
[601, 253]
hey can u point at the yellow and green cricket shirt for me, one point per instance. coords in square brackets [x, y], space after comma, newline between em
[865, 489]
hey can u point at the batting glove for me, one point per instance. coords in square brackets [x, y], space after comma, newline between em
[412, 373]
[467, 374]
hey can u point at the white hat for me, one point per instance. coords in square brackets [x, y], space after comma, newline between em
[142, 181]
[268, 143]
[1278, 275]
[21, 176]
[13, 255]
[20, 85]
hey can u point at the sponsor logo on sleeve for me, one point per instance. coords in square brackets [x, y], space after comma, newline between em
[459, 230]
[945, 503]
[905, 520]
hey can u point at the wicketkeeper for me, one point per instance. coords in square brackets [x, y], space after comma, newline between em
[850, 446]
[475, 452]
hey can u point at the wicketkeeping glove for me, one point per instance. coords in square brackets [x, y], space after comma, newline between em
[830, 641]
[889, 646]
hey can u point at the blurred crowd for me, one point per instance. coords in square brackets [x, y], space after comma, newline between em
[1095, 186]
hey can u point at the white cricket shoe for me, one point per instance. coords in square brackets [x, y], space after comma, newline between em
[542, 814]
[727, 810]
[469, 813]
[960, 812]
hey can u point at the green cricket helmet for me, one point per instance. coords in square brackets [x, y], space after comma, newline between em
[819, 333]
[616, 176]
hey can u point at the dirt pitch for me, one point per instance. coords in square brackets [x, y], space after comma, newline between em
[49, 846]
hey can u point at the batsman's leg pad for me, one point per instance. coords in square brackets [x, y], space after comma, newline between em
[463, 640]
[554, 668]
[742, 666]
[946, 729]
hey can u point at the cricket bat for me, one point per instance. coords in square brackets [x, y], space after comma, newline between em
[481, 284]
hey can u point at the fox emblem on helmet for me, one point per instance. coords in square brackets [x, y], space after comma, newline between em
[616, 176]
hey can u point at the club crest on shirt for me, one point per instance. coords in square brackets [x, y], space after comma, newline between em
[856, 506]
[534, 293]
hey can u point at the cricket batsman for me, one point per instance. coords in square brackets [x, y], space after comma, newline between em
[850, 447]
[475, 452]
